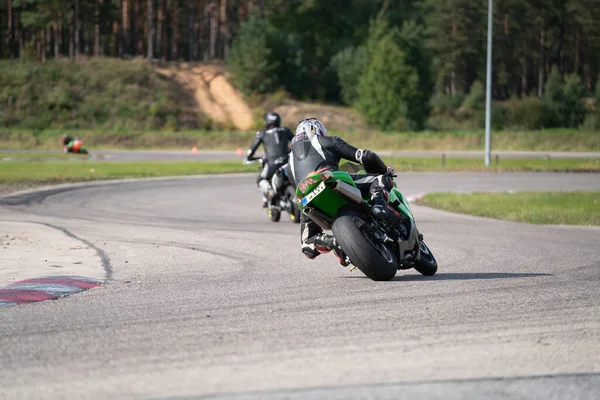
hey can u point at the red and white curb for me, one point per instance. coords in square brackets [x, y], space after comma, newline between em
[47, 288]
[411, 198]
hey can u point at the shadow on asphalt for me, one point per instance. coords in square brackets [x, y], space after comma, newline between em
[459, 276]
[463, 276]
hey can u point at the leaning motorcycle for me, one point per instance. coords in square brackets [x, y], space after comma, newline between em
[284, 193]
[332, 200]
[75, 146]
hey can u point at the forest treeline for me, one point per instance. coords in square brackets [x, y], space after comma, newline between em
[402, 63]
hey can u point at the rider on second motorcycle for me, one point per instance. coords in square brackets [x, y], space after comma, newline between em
[276, 140]
[313, 150]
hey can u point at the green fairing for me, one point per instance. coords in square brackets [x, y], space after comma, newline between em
[328, 201]
[395, 194]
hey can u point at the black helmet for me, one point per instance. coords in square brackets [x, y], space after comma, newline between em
[272, 118]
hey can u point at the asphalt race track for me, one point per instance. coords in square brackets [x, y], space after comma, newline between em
[206, 298]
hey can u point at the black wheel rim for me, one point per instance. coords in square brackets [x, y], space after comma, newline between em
[425, 253]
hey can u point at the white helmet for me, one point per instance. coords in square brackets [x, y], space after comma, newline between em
[311, 127]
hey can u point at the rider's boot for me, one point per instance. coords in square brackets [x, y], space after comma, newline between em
[325, 243]
[382, 210]
[316, 245]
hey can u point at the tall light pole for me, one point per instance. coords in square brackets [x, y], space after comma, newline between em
[488, 87]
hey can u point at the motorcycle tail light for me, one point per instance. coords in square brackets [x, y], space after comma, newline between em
[324, 175]
[303, 186]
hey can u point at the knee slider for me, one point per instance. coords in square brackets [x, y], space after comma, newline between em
[310, 251]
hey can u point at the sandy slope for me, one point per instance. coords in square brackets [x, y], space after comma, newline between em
[219, 100]
[213, 93]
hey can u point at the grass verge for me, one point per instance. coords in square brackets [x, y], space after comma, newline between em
[505, 165]
[400, 163]
[124, 138]
[566, 208]
[52, 172]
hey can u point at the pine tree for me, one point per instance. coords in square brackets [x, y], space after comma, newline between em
[250, 61]
[388, 82]
[349, 65]
[411, 40]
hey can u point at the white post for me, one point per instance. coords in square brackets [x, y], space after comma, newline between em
[488, 89]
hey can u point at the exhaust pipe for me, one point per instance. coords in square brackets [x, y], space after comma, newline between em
[321, 219]
[349, 191]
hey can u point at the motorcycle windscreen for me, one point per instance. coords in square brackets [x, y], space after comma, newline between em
[352, 168]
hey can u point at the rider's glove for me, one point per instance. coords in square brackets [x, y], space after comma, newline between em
[390, 172]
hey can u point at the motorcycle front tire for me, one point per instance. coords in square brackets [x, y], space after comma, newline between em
[427, 265]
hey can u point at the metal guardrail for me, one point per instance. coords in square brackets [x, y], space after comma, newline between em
[497, 154]
[494, 158]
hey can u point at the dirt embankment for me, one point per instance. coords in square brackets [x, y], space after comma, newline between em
[213, 93]
[335, 118]
[220, 101]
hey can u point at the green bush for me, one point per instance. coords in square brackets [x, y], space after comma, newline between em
[392, 91]
[387, 81]
[525, 113]
[252, 66]
[499, 116]
[592, 118]
[264, 59]
[411, 40]
[349, 65]
[291, 74]
[563, 106]
[591, 122]
[553, 97]
[573, 108]
[475, 100]
[446, 104]
[498, 120]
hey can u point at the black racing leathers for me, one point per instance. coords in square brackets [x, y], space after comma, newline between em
[276, 142]
[326, 152]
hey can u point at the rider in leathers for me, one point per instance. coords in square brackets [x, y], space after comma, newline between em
[313, 150]
[276, 140]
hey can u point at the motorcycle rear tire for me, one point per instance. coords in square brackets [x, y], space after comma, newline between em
[361, 250]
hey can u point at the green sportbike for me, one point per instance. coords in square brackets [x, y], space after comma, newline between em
[332, 200]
